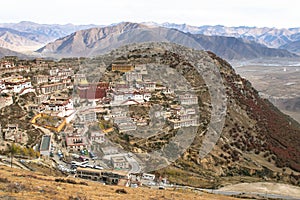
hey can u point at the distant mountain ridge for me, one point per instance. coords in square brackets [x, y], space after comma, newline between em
[292, 46]
[7, 52]
[49, 31]
[29, 36]
[25, 35]
[19, 41]
[271, 37]
[237, 48]
[96, 41]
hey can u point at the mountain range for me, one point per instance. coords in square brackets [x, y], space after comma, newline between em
[292, 46]
[6, 52]
[257, 142]
[96, 41]
[270, 37]
[26, 36]
[89, 40]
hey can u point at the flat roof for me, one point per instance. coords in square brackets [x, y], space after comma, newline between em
[119, 172]
[45, 143]
[70, 142]
[118, 159]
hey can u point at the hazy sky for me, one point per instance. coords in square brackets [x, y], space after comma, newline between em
[271, 13]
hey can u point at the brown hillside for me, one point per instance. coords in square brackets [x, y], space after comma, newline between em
[258, 142]
[20, 184]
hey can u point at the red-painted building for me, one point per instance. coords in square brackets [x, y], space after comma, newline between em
[92, 90]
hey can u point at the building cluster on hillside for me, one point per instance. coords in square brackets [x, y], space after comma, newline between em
[48, 80]
[12, 64]
[56, 79]
[82, 113]
[16, 84]
[134, 88]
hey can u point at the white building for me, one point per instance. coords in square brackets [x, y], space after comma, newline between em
[147, 96]
[124, 122]
[146, 176]
[186, 111]
[53, 72]
[127, 98]
[119, 162]
[97, 136]
[2, 85]
[118, 112]
[39, 79]
[138, 96]
[133, 76]
[184, 123]
[6, 64]
[61, 72]
[56, 79]
[66, 72]
[88, 115]
[185, 117]
[150, 86]
[127, 126]
[18, 84]
[76, 142]
[61, 105]
[188, 99]
[46, 89]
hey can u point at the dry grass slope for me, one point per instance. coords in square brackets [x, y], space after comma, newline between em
[19, 184]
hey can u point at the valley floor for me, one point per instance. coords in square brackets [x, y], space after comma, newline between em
[265, 188]
[279, 84]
